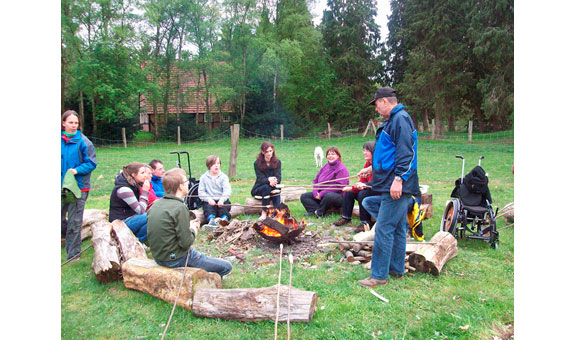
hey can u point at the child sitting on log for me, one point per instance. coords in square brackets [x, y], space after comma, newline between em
[170, 233]
[214, 192]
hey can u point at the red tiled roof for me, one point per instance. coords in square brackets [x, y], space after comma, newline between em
[192, 99]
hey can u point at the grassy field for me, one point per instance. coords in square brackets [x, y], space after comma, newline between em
[473, 298]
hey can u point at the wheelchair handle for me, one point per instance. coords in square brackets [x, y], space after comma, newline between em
[462, 166]
[480, 158]
[460, 157]
[176, 152]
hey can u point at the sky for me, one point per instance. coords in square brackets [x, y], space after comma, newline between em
[383, 10]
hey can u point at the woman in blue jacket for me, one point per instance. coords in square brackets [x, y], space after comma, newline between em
[79, 157]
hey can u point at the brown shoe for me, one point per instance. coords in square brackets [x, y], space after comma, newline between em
[341, 222]
[371, 282]
[362, 227]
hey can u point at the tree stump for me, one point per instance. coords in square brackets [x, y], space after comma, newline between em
[254, 304]
[106, 263]
[147, 276]
[430, 258]
[128, 244]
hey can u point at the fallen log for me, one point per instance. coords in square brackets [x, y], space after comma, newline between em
[90, 217]
[430, 258]
[508, 212]
[147, 276]
[128, 244]
[428, 209]
[254, 304]
[106, 262]
[292, 193]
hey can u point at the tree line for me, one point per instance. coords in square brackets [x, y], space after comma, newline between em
[448, 60]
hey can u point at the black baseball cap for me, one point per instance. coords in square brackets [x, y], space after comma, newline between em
[383, 92]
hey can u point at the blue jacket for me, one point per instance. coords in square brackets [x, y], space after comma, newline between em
[78, 153]
[396, 153]
[157, 186]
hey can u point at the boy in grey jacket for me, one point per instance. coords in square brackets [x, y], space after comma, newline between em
[214, 192]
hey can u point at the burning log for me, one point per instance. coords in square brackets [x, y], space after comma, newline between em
[161, 282]
[254, 304]
[279, 226]
[430, 258]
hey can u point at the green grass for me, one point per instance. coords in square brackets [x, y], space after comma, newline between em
[475, 288]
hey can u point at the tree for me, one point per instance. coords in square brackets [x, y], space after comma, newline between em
[352, 41]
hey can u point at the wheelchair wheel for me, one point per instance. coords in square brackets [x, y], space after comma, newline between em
[450, 217]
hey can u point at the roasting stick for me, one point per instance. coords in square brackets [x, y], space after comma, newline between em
[278, 296]
[290, 257]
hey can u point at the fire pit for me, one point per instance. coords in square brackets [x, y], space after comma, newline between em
[279, 226]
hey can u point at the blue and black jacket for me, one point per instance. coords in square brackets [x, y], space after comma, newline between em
[78, 153]
[396, 153]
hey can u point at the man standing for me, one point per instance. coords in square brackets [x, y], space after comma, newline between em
[157, 174]
[395, 175]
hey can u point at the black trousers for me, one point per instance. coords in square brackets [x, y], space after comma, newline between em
[215, 210]
[329, 200]
[265, 190]
[349, 200]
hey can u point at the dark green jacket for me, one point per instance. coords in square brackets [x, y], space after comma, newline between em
[169, 228]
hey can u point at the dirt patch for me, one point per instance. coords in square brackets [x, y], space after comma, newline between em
[238, 238]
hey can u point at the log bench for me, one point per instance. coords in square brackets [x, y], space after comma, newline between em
[147, 276]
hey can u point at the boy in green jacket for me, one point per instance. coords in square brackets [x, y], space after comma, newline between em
[169, 232]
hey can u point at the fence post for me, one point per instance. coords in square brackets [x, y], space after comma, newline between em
[124, 137]
[235, 136]
[328, 130]
[179, 140]
[282, 132]
[470, 132]
[433, 129]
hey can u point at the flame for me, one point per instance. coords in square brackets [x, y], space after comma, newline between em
[270, 231]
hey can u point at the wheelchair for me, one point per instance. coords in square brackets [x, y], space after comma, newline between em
[470, 214]
[192, 200]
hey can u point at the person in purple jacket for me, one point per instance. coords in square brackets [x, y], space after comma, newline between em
[331, 178]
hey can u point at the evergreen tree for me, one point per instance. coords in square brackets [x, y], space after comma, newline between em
[352, 41]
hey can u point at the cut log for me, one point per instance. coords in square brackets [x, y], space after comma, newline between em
[426, 199]
[106, 263]
[508, 212]
[254, 304]
[90, 217]
[147, 276]
[128, 244]
[430, 258]
[253, 206]
[235, 210]
[292, 193]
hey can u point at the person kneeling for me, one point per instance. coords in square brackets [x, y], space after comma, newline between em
[169, 231]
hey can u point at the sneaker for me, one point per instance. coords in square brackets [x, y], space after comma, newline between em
[261, 218]
[275, 191]
[258, 197]
[341, 222]
[209, 228]
[371, 282]
[212, 222]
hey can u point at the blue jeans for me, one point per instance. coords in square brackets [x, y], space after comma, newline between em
[200, 260]
[371, 205]
[390, 237]
[138, 224]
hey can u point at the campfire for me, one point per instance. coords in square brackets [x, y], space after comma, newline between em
[279, 226]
